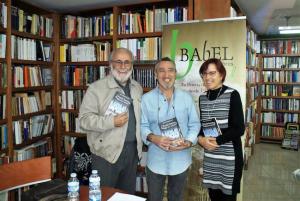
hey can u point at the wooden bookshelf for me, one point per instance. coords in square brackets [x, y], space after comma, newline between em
[278, 61]
[10, 90]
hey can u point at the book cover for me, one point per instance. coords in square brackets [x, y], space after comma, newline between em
[170, 128]
[211, 128]
[119, 104]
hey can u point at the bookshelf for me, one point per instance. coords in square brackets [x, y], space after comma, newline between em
[280, 86]
[252, 96]
[27, 84]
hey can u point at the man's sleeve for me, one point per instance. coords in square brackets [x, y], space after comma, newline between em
[193, 121]
[145, 126]
[89, 118]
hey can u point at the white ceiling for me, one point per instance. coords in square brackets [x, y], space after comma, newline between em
[264, 16]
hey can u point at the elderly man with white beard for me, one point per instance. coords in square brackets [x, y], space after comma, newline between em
[114, 140]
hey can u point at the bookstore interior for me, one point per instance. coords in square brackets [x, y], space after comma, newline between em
[52, 51]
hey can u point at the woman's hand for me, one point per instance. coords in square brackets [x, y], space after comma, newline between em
[208, 143]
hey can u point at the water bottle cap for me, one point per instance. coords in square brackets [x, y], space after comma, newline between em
[73, 174]
[94, 171]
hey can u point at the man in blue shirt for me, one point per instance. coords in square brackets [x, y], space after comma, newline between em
[169, 152]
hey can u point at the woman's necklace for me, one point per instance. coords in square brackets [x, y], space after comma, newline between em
[213, 107]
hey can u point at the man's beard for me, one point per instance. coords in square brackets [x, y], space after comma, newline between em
[121, 78]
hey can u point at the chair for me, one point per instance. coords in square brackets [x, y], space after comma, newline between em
[24, 173]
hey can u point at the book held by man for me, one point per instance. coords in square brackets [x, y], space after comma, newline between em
[170, 128]
[211, 128]
[119, 104]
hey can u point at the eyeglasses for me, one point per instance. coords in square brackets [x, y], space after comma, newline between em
[209, 74]
[170, 70]
[119, 63]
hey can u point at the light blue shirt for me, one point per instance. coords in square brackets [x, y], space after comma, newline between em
[155, 109]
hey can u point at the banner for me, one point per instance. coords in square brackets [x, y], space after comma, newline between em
[190, 44]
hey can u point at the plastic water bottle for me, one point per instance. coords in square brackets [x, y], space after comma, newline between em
[73, 188]
[94, 187]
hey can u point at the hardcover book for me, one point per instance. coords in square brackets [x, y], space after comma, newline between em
[211, 128]
[119, 104]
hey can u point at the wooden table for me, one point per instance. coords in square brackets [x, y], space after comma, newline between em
[107, 192]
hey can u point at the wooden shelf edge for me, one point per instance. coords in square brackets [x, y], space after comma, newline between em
[87, 39]
[3, 121]
[85, 63]
[73, 134]
[281, 97]
[33, 140]
[32, 62]
[139, 35]
[36, 88]
[27, 116]
[31, 36]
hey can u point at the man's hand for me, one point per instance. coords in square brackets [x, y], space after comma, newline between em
[162, 141]
[180, 145]
[120, 119]
[208, 143]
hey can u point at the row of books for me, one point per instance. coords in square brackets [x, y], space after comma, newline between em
[35, 150]
[30, 76]
[3, 20]
[250, 112]
[281, 76]
[251, 58]
[67, 145]
[80, 76]
[279, 117]
[80, 27]
[3, 137]
[2, 45]
[143, 48]
[252, 93]
[252, 76]
[250, 134]
[145, 76]
[25, 103]
[2, 106]
[30, 49]
[150, 20]
[251, 38]
[71, 122]
[71, 99]
[281, 104]
[280, 90]
[280, 47]
[3, 75]
[25, 130]
[97, 51]
[31, 23]
[281, 62]
[271, 131]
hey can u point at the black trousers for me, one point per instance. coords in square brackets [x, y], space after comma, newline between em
[218, 195]
[156, 182]
[122, 174]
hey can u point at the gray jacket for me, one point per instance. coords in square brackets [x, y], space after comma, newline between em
[103, 138]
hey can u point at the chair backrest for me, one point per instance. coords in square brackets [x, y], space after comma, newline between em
[24, 173]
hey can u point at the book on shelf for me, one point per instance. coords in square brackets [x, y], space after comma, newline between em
[211, 127]
[296, 90]
[119, 104]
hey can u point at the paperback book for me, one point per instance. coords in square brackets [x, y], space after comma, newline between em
[119, 104]
[211, 128]
[170, 128]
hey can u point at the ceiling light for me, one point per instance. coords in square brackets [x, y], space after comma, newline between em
[288, 27]
[293, 31]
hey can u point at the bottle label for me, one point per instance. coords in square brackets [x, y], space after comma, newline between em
[95, 197]
[73, 186]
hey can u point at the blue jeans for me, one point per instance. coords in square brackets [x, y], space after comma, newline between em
[156, 182]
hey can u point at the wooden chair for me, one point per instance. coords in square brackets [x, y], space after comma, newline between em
[24, 173]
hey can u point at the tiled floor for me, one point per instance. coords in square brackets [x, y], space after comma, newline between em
[269, 175]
